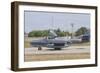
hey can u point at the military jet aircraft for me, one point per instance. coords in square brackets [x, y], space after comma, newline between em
[53, 41]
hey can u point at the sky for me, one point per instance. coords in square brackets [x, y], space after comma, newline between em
[38, 20]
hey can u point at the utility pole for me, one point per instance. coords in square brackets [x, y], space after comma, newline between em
[72, 35]
[52, 22]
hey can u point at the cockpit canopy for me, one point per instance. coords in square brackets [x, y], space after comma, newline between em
[52, 34]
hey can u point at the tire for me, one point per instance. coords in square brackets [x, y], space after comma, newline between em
[39, 48]
[57, 49]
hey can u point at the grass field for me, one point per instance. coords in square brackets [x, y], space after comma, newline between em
[46, 57]
[27, 41]
[27, 44]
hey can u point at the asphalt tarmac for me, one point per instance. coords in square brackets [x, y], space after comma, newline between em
[71, 49]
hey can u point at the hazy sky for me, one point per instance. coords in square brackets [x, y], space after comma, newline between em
[52, 20]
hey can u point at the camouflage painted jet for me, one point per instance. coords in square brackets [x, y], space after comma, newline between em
[53, 41]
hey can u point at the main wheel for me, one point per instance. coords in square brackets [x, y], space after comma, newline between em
[57, 48]
[39, 48]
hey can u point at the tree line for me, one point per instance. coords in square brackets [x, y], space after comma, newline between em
[44, 33]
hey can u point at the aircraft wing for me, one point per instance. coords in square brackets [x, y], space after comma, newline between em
[76, 40]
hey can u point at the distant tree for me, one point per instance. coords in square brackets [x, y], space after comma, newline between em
[45, 33]
[41, 33]
[34, 34]
[58, 30]
[81, 31]
[68, 33]
[61, 33]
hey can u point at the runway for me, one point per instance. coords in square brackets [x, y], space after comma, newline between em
[68, 53]
[71, 49]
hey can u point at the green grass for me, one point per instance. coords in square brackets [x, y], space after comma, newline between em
[27, 44]
[46, 57]
[81, 44]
